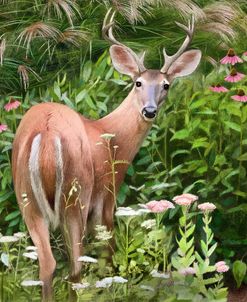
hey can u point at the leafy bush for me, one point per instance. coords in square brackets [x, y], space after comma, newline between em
[144, 247]
[198, 144]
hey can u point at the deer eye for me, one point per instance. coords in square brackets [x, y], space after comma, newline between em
[138, 84]
[166, 86]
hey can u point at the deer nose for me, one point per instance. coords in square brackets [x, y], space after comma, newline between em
[149, 112]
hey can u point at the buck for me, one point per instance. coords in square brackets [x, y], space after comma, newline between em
[55, 148]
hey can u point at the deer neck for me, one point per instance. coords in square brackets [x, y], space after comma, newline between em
[128, 126]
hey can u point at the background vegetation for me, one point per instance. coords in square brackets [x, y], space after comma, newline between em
[53, 51]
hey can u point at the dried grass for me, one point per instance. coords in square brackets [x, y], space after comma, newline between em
[2, 49]
[61, 7]
[37, 29]
[73, 36]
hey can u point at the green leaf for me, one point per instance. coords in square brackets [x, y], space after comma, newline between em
[181, 134]
[242, 157]
[197, 104]
[239, 271]
[212, 249]
[87, 69]
[12, 215]
[80, 96]
[233, 126]
[57, 90]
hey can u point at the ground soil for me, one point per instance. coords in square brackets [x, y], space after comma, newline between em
[238, 295]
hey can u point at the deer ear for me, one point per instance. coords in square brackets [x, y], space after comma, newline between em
[123, 61]
[185, 64]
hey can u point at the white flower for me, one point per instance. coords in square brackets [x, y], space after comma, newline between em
[32, 255]
[78, 286]
[147, 287]
[102, 233]
[118, 279]
[8, 239]
[106, 282]
[20, 235]
[100, 228]
[187, 271]
[87, 259]
[104, 236]
[31, 248]
[107, 135]
[148, 224]
[126, 211]
[31, 283]
[156, 274]
[5, 259]
[140, 250]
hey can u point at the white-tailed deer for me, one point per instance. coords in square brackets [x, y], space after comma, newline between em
[55, 148]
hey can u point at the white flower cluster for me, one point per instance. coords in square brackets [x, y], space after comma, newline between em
[31, 252]
[128, 211]
[102, 233]
[78, 286]
[108, 281]
[155, 274]
[87, 259]
[148, 224]
[31, 283]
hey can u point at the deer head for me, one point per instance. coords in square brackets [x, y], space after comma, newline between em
[151, 86]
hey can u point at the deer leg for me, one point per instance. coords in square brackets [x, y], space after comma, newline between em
[39, 233]
[73, 228]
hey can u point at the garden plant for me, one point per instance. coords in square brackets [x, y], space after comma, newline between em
[180, 215]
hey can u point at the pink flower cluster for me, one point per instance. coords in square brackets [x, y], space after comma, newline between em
[3, 127]
[234, 76]
[156, 206]
[206, 207]
[221, 267]
[185, 199]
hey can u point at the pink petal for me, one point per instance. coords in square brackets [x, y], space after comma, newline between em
[3, 128]
[239, 76]
[239, 98]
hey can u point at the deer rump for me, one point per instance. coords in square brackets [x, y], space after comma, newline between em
[50, 158]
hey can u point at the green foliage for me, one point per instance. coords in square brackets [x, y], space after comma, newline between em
[41, 39]
[239, 271]
[143, 246]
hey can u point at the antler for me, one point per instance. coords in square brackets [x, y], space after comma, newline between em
[108, 36]
[189, 30]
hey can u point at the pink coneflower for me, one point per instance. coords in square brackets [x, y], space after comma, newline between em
[159, 206]
[231, 58]
[12, 104]
[221, 267]
[234, 76]
[218, 88]
[240, 96]
[206, 207]
[185, 199]
[245, 54]
[3, 128]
